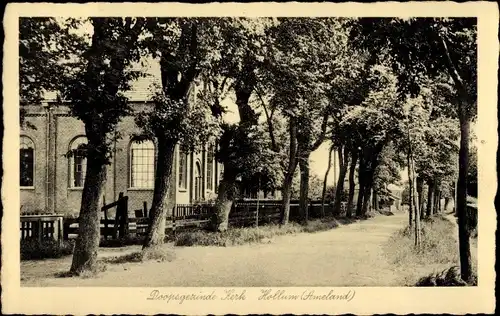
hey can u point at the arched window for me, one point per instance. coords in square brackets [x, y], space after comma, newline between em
[197, 182]
[183, 161]
[142, 164]
[27, 161]
[210, 167]
[77, 162]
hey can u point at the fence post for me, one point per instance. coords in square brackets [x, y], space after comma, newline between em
[65, 229]
[40, 230]
[124, 231]
[145, 208]
[174, 210]
[117, 216]
[60, 230]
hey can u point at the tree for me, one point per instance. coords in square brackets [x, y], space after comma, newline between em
[93, 85]
[352, 184]
[315, 188]
[371, 126]
[43, 42]
[387, 173]
[185, 47]
[310, 60]
[434, 47]
[344, 155]
[243, 56]
[90, 72]
[323, 192]
[472, 176]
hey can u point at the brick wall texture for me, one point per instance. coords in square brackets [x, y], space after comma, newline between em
[54, 131]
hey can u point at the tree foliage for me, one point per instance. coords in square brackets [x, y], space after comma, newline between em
[436, 48]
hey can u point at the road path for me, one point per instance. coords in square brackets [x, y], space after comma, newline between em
[350, 255]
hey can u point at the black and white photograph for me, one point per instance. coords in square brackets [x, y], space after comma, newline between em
[250, 158]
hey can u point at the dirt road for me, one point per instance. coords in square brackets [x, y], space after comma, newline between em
[350, 255]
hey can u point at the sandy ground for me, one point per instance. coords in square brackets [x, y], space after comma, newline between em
[350, 255]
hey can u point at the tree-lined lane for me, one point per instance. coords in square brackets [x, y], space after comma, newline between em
[350, 255]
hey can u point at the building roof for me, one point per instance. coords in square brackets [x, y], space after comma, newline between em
[141, 89]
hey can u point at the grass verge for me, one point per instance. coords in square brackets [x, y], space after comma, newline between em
[160, 253]
[436, 258]
[250, 235]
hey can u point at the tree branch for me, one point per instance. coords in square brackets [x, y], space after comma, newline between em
[321, 137]
[451, 66]
[269, 122]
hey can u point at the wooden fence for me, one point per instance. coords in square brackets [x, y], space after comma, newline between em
[41, 227]
[183, 216]
[109, 227]
[248, 213]
[244, 213]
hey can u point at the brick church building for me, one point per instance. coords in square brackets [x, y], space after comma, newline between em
[53, 183]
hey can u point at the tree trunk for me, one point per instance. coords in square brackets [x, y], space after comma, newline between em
[436, 198]
[430, 197]
[368, 179]
[410, 195]
[286, 193]
[361, 187]
[323, 193]
[463, 167]
[420, 189]
[304, 187]
[375, 201]
[413, 193]
[87, 242]
[359, 203]
[288, 179]
[463, 232]
[440, 208]
[417, 209]
[352, 185]
[366, 198]
[224, 202]
[410, 206]
[161, 200]
[344, 164]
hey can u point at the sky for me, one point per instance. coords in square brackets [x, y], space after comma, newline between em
[319, 158]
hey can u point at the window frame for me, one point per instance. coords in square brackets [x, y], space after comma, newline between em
[210, 170]
[131, 185]
[198, 181]
[71, 163]
[183, 170]
[33, 158]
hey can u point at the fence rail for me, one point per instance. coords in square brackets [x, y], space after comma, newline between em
[244, 213]
[41, 227]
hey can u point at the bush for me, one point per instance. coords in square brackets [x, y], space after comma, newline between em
[138, 240]
[447, 277]
[34, 250]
